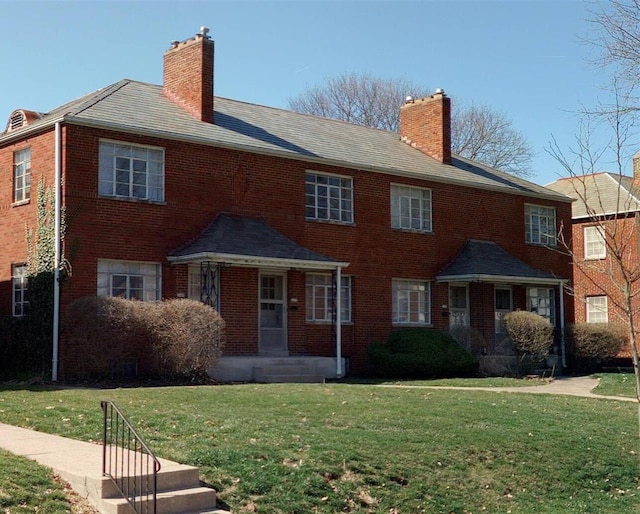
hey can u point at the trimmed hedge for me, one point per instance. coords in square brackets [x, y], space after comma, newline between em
[421, 353]
[595, 343]
[531, 333]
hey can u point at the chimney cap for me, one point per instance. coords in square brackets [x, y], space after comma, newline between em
[439, 91]
[204, 32]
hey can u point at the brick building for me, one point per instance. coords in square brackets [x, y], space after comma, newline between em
[605, 221]
[266, 213]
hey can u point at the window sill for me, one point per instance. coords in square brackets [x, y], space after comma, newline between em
[591, 259]
[408, 325]
[332, 222]
[412, 231]
[541, 245]
[133, 200]
[21, 202]
[327, 323]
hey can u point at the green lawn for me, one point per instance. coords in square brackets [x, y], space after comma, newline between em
[362, 448]
[616, 384]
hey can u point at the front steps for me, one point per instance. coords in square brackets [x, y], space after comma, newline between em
[179, 492]
[272, 369]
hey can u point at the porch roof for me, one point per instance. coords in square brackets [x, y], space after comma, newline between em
[485, 261]
[242, 241]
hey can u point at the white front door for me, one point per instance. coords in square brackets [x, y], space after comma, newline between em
[272, 313]
[459, 306]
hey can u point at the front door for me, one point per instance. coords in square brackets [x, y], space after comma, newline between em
[458, 306]
[273, 322]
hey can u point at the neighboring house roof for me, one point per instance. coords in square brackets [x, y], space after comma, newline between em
[485, 261]
[599, 194]
[248, 241]
[141, 108]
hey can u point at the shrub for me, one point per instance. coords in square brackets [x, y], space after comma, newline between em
[531, 333]
[595, 343]
[421, 353]
[106, 337]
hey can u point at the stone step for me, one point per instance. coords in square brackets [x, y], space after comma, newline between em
[171, 477]
[195, 499]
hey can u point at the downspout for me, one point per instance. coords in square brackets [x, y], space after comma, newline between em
[562, 345]
[56, 259]
[338, 322]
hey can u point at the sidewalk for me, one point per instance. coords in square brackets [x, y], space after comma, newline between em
[564, 386]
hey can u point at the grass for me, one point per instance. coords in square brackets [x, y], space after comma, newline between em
[454, 382]
[28, 487]
[616, 384]
[361, 448]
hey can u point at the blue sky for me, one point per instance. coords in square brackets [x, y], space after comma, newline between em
[521, 58]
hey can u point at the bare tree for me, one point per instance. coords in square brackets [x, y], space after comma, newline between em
[478, 132]
[617, 37]
[613, 208]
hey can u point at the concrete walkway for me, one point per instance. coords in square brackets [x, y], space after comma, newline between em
[565, 386]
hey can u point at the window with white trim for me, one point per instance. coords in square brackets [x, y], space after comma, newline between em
[411, 302]
[131, 171]
[542, 301]
[410, 208]
[328, 197]
[22, 175]
[19, 287]
[540, 225]
[597, 309]
[129, 279]
[319, 297]
[594, 243]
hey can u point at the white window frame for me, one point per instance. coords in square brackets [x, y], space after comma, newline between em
[319, 296]
[19, 290]
[131, 271]
[597, 309]
[540, 225]
[411, 302]
[594, 243]
[132, 171]
[411, 208]
[328, 197]
[542, 301]
[22, 175]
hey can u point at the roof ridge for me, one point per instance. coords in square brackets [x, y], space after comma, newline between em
[99, 95]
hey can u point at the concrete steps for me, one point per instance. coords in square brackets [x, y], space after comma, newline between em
[179, 492]
[287, 371]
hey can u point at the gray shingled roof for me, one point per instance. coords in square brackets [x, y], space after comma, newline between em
[138, 107]
[485, 261]
[230, 237]
[599, 194]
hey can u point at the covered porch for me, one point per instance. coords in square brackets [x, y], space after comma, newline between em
[482, 284]
[255, 277]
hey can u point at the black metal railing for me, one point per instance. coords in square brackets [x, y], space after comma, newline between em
[128, 461]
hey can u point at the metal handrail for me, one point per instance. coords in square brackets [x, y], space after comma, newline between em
[128, 461]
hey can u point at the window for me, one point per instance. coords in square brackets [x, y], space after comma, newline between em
[19, 288]
[541, 300]
[503, 305]
[410, 208]
[329, 197]
[597, 311]
[411, 301]
[594, 243]
[540, 225]
[319, 297]
[130, 280]
[22, 175]
[131, 171]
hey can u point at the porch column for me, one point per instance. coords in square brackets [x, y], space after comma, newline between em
[338, 322]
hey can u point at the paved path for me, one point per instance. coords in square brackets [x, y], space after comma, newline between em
[567, 386]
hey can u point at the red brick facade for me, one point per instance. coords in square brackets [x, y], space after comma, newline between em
[201, 181]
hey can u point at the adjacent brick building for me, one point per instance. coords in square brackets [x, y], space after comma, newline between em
[265, 214]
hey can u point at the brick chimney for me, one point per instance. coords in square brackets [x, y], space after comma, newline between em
[188, 75]
[636, 169]
[425, 124]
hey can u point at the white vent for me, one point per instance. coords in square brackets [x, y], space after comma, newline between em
[16, 120]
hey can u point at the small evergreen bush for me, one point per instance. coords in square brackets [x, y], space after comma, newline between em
[531, 334]
[421, 353]
[595, 343]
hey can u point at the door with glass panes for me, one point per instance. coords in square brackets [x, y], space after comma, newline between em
[272, 313]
